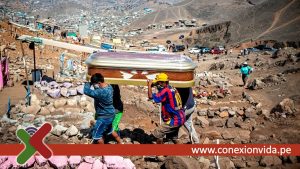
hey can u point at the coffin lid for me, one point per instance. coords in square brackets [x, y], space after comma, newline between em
[140, 61]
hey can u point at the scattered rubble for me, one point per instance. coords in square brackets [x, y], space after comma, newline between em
[56, 90]
[208, 78]
[217, 66]
[72, 162]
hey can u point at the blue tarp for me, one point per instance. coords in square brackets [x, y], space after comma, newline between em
[40, 26]
[106, 46]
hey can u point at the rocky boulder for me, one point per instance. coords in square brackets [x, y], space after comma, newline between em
[231, 122]
[255, 84]
[58, 130]
[117, 162]
[33, 109]
[217, 66]
[72, 102]
[64, 92]
[72, 131]
[200, 120]
[286, 106]
[54, 93]
[210, 113]
[73, 110]
[35, 100]
[179, 162]
[89, 159]
[79, 89]
[239, 163]
[228, 135]
[67, 85]
[72, 92]
[97, 164]
[144, 105]
[28, 118]
[250, 113]
[202, 112]
[217, 122]
[204, 163]
[272, 79]
[90, 107]
[226, 163]
[85, 166]
[74, 161]
[224, 114]
[44, 111]
[59, 103]
[268, 161]
[41, 161]
[59, 162]
[248, 98]
[242, 136]
[213, 134]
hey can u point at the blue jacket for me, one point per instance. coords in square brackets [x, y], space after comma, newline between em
[103, 100]
[246, 70]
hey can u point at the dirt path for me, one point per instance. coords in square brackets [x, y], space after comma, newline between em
[174, 13]
[179, 11]
[167, 15]
[154, 20]
[15, 93]
[287, 23]
[238, 30]
[276, 18]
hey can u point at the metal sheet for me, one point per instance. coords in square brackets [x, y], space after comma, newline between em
[59, 44]
[141, 61]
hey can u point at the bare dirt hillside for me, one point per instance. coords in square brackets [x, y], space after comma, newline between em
[250, 20]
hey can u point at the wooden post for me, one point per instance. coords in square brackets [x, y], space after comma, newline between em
[34, 62]
[11, 29]
[26, 75]
[23, 56]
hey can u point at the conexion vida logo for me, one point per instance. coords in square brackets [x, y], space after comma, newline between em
[33, 140]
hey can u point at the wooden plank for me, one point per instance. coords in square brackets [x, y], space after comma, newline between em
[132, 74]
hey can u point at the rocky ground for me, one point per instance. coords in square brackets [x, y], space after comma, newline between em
[38, 162]
[266, 112]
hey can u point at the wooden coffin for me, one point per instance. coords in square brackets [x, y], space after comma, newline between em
[135, 68]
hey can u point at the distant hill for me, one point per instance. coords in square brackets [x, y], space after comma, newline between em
[249, 19]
